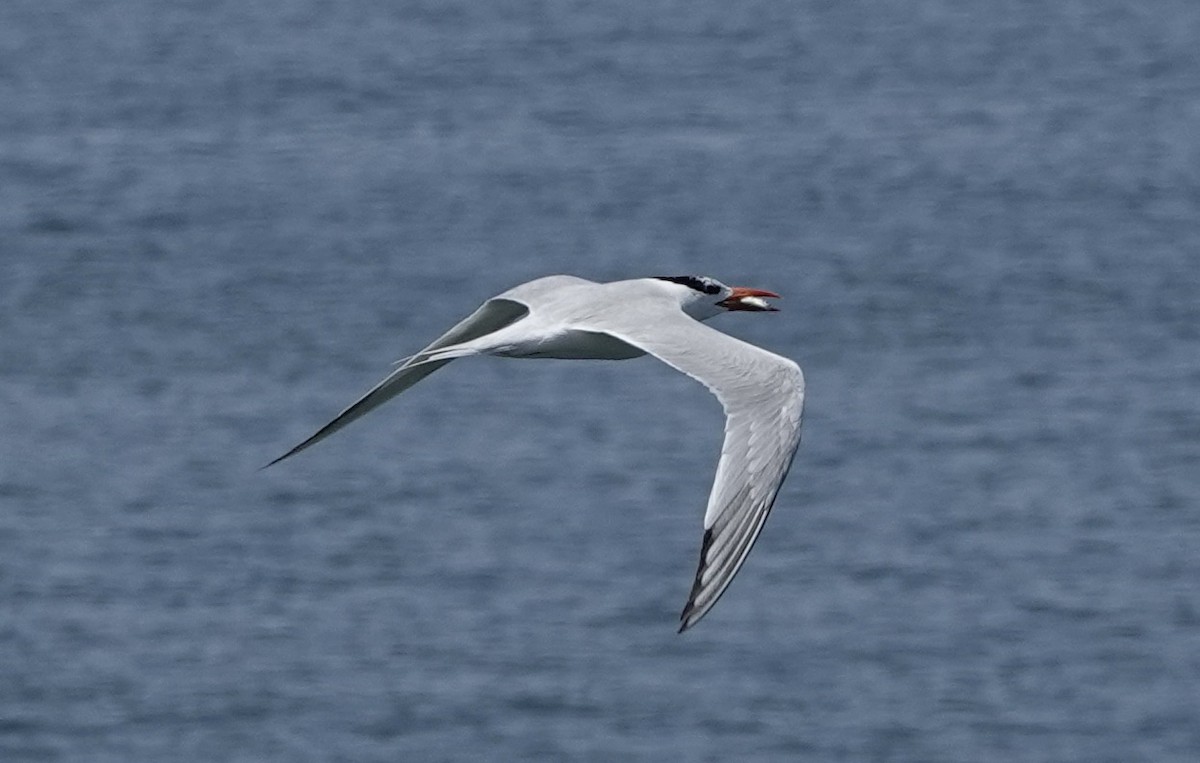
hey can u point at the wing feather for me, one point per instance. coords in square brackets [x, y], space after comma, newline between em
[763, 397]
[497, 313]
[491, 316]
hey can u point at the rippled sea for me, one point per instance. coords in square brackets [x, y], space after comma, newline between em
[220, 222]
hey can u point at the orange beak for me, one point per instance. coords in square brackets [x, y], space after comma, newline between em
[737, 300]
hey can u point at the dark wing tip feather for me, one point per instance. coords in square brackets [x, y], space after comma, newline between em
[493, 315]
[734, 544]
[343, 418]
[686, 618]
[290, 453]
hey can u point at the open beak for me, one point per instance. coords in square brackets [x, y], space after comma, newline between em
[742, 298]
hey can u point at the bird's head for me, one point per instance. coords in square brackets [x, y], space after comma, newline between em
[706, 297]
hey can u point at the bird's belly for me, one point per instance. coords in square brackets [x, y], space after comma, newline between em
[575, 345]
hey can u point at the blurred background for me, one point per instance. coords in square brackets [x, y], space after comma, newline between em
[221, 221]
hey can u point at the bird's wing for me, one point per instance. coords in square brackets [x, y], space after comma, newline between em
[763, 397]
[491, 316]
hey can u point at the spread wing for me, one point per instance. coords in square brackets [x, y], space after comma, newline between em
[763, 397]
[498, 312]
[491, 316]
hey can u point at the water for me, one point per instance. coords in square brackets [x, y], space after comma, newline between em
[220, 222]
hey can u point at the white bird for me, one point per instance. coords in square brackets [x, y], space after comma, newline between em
[568, 317]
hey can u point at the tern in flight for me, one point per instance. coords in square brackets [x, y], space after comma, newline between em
[568, 317]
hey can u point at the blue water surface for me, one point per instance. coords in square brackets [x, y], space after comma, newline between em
[220, 222]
